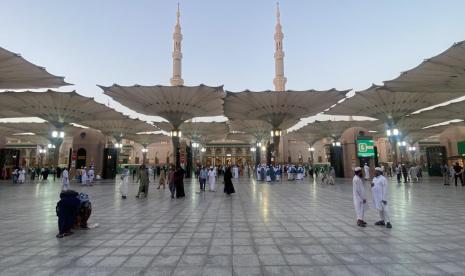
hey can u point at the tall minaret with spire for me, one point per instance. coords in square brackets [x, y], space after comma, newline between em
[279, 80]
[177, 80]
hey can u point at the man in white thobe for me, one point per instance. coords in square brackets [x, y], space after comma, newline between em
[360, 199]
[84, 176]
[65, 179]
[90, 175]
[379, 190]
[212, 179]
[236, 172]
[124, 182]
[367, 171]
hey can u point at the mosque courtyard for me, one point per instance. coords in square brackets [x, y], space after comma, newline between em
[283, 228]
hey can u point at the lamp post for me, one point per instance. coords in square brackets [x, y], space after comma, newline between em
[195, 147]
[175, 137]
[276, 136]
[412, 151]
[257, 152]
[144, 155]
[56, 140]
[311, 150]
[401, 145]
[42, 152]
[393, 135]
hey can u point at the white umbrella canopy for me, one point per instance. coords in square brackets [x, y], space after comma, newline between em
[259, 129]
[195, 130]
[38, 129]
[380, 103]
[120, 128]
[18, 73]
[146, 139]
[176, 104]
[448, 112]
[444, 73]
[334, 129]
[307, 137]
[409, 124]
[242, 137]
[281, 109]
[414, 136]
[58, 108]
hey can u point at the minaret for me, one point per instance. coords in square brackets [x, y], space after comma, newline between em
[177, 80]
[279, 80]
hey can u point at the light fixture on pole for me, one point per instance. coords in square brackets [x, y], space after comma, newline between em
[203, 149]
[253, 149]
[176, 133]
[259, 144]
[145, 150]
[336, 144]
[392, 132]
[402, 143]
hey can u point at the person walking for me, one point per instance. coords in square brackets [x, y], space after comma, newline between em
[179, 182]
[445, 174]
[203, 174]
[366, 168]
[379, 190]
[161, 181]
[65, 179]
[404, 172]
[124, 182]
[458, 170]
[228, 185]
[212, 179]
[144, 181]
[359, 194]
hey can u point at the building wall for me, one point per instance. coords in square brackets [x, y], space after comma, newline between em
[93, 142]
[449, 139]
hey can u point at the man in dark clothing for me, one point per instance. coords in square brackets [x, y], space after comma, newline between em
[67, 210]
[179, 182]
[458, 173]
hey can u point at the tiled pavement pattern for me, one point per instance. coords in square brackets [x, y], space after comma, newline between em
[287, 228]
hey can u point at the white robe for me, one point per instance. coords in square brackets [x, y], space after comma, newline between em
[124, 183]
[359, 195]
[367, 171]
[212, 180]
[91, 176]
[236, 172]
[84, 177]
[65, 180]
[379, 192]
[289, 173]
[21, 176]
[258, 174]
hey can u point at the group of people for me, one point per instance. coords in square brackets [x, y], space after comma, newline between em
[209, 174]
[85, 176]
[19, 175]
[379, 191]
[453, 173]
[268, 173]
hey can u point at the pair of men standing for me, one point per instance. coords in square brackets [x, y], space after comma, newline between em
[379, 192]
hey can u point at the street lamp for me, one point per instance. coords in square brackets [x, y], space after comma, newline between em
[253, 149]
[311, 150]
[336, 144]
[144, 154]
[203, 150]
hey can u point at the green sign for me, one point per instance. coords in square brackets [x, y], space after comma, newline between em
[365, 148]
[461, 147]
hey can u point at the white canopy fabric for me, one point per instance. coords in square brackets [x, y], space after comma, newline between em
[333, 128]
[444, 73]
[120, 128]
[307, 137]
[420, 134]
[58, 108]
[448, 112]
[409, 124]
[387, 106]
[147, 139]
[259, 129]
[18, 73]
[242, 137]
[39, 129]
[281, 109]
[196, 130]
[174, 103]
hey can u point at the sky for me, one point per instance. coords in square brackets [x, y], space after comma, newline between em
[343, 44]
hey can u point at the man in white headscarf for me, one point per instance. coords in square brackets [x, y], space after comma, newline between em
[360, 199]
[379, 190]
[212, 179]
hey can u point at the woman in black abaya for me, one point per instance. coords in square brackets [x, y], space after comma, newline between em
[228, 185]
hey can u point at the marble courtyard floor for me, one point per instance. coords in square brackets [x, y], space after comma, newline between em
[287, 228]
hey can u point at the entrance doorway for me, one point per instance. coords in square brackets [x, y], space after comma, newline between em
[81, 158]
